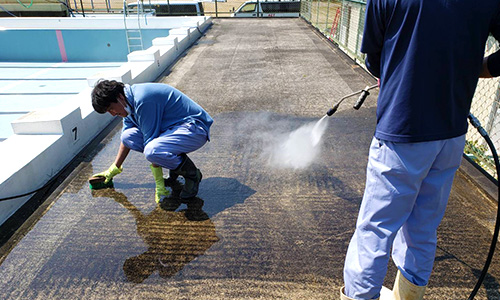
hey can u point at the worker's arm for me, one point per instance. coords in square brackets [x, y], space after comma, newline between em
[485, 73]
[116, 167]
[491, 66]
[373, 35]
[122, 154]
[372, 62]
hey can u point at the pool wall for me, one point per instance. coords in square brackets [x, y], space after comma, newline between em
[70, 45]
[46, 140]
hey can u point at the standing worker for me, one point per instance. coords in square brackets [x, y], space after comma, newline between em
[161, 122]
[428, 55]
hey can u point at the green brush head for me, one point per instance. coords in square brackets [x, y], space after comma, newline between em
[97, 183]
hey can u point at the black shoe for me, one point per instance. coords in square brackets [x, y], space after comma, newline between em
[192, 177]
[174, 184]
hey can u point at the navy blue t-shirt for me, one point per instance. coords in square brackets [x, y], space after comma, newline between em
[428, 55]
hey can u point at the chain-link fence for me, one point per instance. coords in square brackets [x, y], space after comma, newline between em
[485, 106]
[213, 8]
[342, 21]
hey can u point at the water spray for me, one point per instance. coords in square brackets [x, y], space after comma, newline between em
[362, 97]
[299, 148]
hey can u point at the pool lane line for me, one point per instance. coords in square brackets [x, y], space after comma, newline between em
[62, 49]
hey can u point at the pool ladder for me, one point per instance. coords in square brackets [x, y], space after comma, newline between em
[134, 39]
[134, 36]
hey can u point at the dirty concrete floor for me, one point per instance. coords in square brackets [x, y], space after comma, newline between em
[272, 233]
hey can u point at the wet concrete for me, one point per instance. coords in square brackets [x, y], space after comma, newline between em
[271, 233]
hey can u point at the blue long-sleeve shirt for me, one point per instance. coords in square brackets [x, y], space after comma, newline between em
[428, 55]
[157, 107]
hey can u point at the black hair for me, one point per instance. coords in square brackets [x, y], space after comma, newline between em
[106, 92]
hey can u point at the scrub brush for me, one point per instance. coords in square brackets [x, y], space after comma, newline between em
[97, 183]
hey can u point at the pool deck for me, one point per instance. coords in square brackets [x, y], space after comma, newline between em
[272, 233]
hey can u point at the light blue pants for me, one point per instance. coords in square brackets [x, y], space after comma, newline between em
[406, 193]
[166, 149]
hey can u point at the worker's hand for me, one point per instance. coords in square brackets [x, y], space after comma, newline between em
[109, 173]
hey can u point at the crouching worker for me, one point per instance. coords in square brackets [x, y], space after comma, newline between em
[164, 124]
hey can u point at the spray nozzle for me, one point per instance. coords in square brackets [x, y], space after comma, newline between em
[332, 110]
[364, 93]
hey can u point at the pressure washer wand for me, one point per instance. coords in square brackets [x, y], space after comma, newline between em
[364, 93]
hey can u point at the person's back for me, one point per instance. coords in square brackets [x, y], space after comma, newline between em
[159, 106]
[429, 64]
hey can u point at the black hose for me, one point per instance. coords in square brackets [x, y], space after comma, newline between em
[49, 183]
[494, 240]
[5, 10]
[70, 10]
